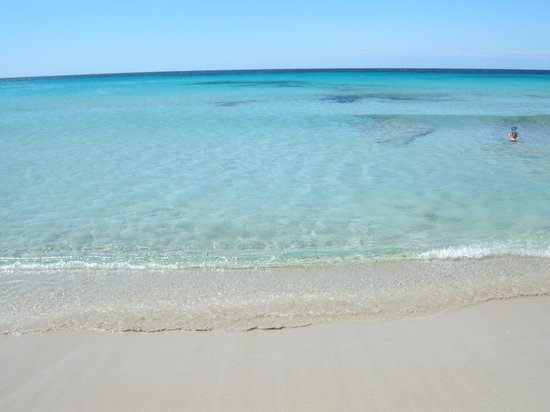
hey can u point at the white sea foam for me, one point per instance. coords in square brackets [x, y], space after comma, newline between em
[477, 252]
[281, 260]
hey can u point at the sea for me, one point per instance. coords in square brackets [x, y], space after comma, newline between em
[242, 200]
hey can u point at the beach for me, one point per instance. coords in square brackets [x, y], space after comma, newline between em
[491, 356]
[274, 206]
[286, 240]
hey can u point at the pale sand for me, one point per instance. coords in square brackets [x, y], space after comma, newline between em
[493, 356]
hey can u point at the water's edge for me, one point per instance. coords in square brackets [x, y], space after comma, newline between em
[153, 300]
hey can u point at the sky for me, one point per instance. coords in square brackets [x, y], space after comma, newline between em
[59, 37]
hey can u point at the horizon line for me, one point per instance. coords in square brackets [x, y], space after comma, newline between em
[288, 70]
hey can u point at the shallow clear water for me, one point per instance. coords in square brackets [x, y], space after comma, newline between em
[246, 170]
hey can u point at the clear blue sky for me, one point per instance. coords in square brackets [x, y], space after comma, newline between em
[48, 37]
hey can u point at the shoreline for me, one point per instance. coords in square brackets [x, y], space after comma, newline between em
[257, 298]
[491, 356]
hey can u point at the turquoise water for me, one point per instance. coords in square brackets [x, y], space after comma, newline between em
[269, 169]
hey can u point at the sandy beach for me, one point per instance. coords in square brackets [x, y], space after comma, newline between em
[491, 356]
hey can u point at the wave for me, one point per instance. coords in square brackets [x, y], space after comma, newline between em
[478, 252]
[267, 260]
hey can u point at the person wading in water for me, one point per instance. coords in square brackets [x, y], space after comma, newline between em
[513, 135]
